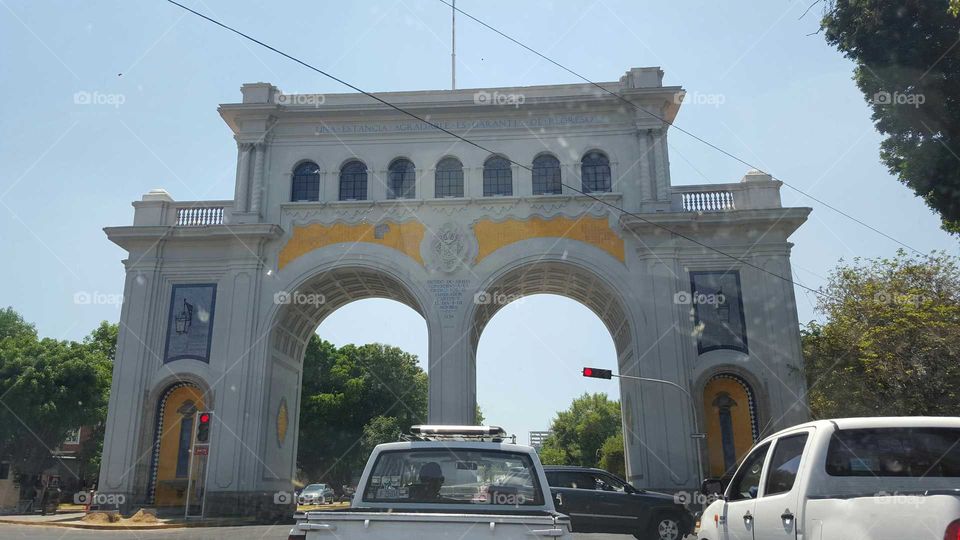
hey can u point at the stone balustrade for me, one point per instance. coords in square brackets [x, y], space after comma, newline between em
[757, 190]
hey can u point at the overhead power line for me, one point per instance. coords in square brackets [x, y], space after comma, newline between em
[485, 149]
[682, 130]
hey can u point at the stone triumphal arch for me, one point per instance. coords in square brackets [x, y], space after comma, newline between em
[338, 198]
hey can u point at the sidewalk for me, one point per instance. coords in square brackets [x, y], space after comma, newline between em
[75, 520]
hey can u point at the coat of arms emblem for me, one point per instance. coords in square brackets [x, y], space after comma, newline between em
[449, 248]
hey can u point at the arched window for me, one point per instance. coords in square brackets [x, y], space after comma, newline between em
[497, 177]
[353, 181]
[403, 180]
[595, 172]
[546, 175]
[306, 182]
[448, 180]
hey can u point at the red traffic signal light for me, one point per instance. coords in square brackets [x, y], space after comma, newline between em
[203, 427]
[597, 373]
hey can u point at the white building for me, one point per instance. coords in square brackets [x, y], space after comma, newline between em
[340, 198]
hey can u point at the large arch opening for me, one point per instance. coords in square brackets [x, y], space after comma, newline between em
[547, 286]
[304, 308]
[529, 359]
[361, 302]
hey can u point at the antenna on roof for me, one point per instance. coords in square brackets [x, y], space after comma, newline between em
[453, 46]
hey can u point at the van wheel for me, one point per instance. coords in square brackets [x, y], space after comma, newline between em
[662, 527]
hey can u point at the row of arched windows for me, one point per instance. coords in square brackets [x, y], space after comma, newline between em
[448, 178]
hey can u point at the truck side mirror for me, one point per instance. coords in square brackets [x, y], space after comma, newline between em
[712, 486]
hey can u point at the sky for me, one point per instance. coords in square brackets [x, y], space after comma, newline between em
[103, 101]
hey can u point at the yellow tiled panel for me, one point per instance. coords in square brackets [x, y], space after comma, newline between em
[596, 231]
[404, 237]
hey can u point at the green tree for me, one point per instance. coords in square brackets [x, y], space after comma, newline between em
[13, 325]
[890, 343]
[351, 397]
[611, 455]
[908, 68]
[379, 430]
[580, 431]
[48, 387]
[103, 340]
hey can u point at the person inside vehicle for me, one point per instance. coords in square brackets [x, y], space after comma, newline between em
[431, 480]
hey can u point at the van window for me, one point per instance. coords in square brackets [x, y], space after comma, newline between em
[909, 452]
[784, 464]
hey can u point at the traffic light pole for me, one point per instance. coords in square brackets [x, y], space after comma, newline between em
[695, 435]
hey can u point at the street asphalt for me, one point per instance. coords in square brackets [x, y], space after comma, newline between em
[271, 532]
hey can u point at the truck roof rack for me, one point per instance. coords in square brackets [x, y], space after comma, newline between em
[457, 433]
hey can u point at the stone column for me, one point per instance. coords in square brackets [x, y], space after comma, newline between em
[124, 450]
[661, 453]
[644, 166]
[256, 194]
[663, 158]
[452, 367]
[243, 177]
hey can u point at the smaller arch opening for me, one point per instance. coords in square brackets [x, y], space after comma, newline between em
[730, 421]
[173, 434]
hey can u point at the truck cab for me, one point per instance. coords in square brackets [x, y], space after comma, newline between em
[445, 482]
[877, 478]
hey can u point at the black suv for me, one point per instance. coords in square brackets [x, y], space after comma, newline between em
[601, 502]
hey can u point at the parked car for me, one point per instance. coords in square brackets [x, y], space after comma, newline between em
[876, 478]
[448, 482]
[316, 494]
[598, 501]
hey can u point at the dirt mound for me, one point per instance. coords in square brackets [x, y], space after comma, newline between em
[101, 517]
[142, 517]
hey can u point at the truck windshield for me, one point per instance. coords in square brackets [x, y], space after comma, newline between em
[908, 452]
[454, 476]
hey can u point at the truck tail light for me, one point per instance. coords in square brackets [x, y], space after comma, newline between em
[953, 531]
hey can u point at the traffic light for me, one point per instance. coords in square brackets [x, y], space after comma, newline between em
[597, 373]
[203, 427]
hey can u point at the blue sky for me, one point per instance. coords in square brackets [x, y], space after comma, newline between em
[757, 84]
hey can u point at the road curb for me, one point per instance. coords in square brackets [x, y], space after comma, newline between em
[128, 527]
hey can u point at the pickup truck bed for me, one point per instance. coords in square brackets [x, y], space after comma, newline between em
[455, 526]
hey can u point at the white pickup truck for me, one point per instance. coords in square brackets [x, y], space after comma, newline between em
[846, 479]
[450, 482]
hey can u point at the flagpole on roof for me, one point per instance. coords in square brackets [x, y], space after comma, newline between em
[453, 46]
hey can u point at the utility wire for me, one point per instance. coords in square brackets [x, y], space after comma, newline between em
[485, 149]
[695, 136]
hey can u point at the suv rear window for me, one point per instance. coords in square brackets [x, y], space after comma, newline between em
[453, 476]
[911, 452]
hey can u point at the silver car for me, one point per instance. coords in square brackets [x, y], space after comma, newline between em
[316, 494]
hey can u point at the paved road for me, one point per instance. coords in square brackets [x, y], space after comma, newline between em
[276, 532]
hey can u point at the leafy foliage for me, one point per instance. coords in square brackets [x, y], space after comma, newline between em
[12, 325]
[47, 388]
[611, 455]
[908, 68]
[891, 341]
[580, 432]
[353, 398]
